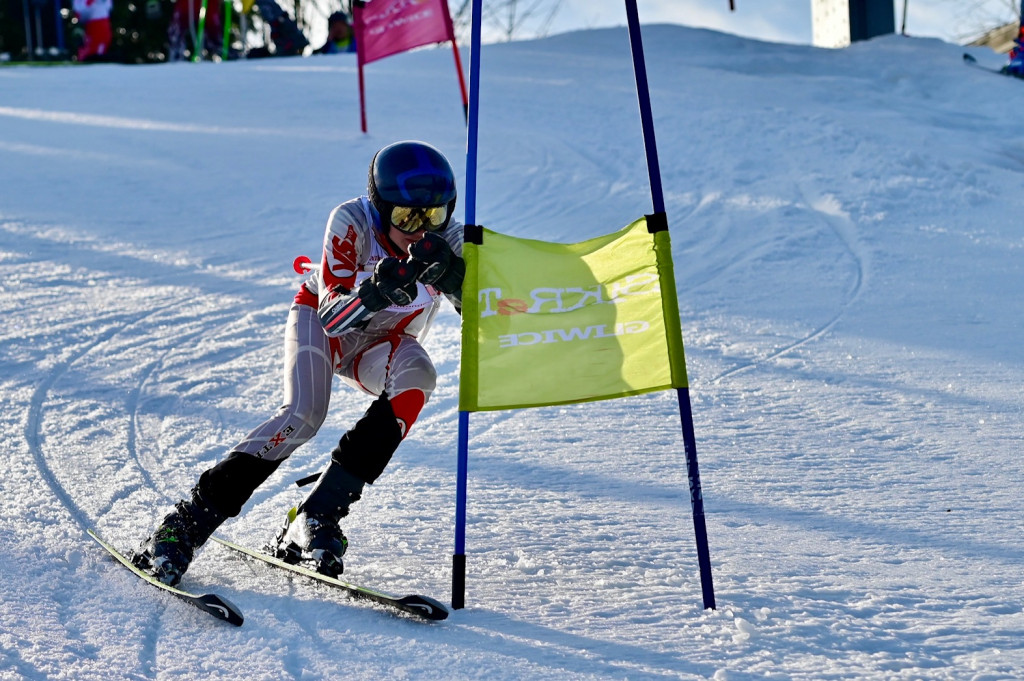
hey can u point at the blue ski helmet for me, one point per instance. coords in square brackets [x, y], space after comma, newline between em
[412, 186]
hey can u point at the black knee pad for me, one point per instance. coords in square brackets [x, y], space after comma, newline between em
[229, 484]
[365, 450]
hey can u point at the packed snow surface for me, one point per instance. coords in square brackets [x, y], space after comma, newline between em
[848, 245]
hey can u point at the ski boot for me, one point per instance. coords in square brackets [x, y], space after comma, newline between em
[311, 534]
[167, 554]
[313, 540]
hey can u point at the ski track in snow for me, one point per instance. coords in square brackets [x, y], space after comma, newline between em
[36, 415]
[831, 216]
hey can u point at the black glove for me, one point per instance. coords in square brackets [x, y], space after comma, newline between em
[393, 283]
[437, 264]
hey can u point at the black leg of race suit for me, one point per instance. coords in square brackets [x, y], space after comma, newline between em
[361, 456]
[218, 495]
[230, 483]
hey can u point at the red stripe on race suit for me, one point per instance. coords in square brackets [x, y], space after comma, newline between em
[340, 261]
[306, 297]
[400, 326]
[393, 340]
[407, 406]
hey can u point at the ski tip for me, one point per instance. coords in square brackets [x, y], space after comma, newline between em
[968, 58]
[424, 606]
[212, 604]
[221, 608]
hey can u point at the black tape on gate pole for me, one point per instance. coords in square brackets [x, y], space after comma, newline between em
[658, 199]
[473, 233]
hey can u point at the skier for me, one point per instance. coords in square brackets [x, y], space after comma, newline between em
[1015, 67]
[392, 254]
[286, 38]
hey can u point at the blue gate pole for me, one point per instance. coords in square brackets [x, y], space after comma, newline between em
[59, 25]
[683, 394]
[459, 558]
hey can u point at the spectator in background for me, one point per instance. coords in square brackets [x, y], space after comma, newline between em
[94, 19]
[181, 31]
[286, 38]
[339, 35]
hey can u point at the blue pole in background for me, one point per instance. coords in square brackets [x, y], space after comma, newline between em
[459, 559]
[659, 219]
[59, 26]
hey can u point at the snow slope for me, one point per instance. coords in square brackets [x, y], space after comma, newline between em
[848, 256]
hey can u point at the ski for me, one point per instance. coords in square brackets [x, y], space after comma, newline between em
[971, 61]
[423, 607]
[212, 604]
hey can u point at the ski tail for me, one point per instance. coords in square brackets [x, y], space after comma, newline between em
[422, 607]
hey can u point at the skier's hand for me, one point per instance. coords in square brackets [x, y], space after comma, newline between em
[437, 264]
[393, 283]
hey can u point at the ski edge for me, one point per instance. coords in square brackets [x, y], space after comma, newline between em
[423, 607]
[212, 604]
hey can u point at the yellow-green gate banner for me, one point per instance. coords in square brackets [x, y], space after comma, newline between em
[546, 323]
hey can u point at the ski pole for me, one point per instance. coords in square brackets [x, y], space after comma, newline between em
[303, 265]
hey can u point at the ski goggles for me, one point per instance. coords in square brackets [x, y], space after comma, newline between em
[412, 220]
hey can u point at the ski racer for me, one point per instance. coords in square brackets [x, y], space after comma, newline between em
[1015, 67]
[388, 259]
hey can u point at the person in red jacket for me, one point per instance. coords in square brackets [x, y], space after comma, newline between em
[389, 258]
[94, 18]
